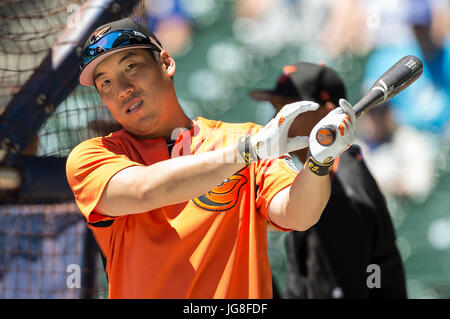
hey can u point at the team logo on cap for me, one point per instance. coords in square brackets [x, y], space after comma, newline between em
[224, 196]
[287, 70]
[98, 33]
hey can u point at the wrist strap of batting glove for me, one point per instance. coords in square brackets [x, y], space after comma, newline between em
[246, 151]
[320, 169]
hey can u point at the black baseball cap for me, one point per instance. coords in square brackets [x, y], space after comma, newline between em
[111, 38]
[306, 81]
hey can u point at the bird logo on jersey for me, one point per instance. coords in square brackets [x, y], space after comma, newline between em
[224, 196]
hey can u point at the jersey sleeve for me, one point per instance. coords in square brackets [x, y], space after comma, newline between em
[89, 168]
[272, 176]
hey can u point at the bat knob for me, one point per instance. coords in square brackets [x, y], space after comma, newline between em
[326, 135]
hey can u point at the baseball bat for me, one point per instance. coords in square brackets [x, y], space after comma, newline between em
[392, 82]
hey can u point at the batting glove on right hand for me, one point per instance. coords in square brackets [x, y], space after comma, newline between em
[343, 120]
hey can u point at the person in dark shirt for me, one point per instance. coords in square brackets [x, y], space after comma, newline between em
[351, 251]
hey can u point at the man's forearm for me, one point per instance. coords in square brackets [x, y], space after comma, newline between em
[139, 189]
[308, 196]
[189, 176]
[300, 206]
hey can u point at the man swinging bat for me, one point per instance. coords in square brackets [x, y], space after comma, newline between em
[190, 226]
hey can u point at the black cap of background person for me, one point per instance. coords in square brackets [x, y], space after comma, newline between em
[308, 82]
[143, 37]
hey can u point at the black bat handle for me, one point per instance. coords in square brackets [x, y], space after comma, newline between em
[368, 101]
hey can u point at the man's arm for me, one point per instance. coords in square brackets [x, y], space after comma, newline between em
[139, 189]
[300, 205]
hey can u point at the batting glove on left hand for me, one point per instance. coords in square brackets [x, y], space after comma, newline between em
[272, 140]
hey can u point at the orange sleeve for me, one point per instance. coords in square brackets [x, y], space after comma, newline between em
[272, 176]
[89, 168]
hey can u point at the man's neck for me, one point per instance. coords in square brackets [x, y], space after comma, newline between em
[175, 121]
[183, 122]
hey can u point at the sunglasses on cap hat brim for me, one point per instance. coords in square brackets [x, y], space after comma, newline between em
[110, 43]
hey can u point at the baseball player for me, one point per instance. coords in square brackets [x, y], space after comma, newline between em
[337, 256]
[188, 222]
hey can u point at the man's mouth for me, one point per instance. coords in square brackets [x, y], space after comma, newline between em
[134, 106]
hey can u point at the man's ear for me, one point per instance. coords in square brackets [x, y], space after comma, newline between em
[168, 62]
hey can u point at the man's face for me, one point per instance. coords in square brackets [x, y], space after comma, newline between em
[137, 89]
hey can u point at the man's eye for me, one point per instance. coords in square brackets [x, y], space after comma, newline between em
[130, 66]
[106, 82]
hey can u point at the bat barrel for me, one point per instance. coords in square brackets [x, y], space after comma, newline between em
[391, 83]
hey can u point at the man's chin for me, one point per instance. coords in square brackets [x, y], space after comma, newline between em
[146, 127]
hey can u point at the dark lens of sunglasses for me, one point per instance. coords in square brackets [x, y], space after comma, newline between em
[111, 41]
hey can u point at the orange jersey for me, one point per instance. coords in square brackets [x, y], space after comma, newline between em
[213, 246]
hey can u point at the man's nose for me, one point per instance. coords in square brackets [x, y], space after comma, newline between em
[126, 88]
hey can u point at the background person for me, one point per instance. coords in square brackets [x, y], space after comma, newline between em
[330, 259]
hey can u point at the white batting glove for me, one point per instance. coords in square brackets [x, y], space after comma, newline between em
[343, 120]
[272, 140]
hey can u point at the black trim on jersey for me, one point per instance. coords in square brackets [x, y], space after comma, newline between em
[170, 145]
[102, 223]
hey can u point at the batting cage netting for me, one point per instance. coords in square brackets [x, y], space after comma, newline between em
[46, 250]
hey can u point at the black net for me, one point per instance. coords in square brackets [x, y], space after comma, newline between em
[46, 250]
[41, 251]
[29, 29]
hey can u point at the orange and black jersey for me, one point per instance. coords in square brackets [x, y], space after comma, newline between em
[213, 246]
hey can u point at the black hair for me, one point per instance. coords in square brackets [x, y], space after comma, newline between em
[154, 54]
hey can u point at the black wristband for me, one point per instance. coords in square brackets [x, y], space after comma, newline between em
[245, 150]
[320, 169]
